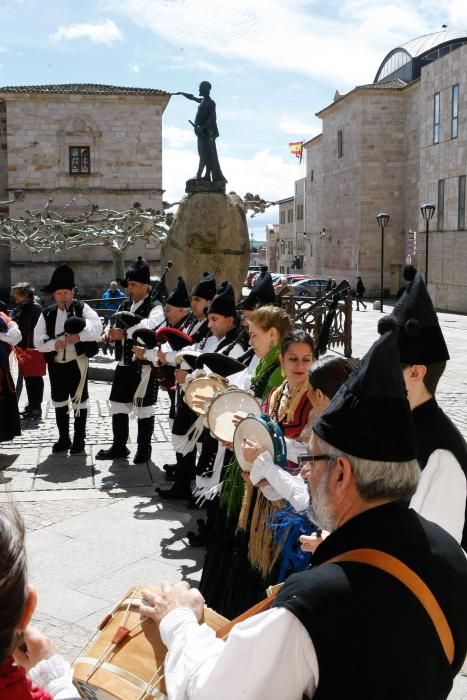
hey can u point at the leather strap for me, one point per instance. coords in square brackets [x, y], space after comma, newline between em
[392, 565]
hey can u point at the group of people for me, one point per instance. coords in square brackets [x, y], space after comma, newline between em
[368, 484]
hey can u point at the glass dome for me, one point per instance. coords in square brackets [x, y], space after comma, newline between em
[406, 62]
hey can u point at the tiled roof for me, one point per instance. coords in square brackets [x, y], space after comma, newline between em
[81, 89]
[384, 85]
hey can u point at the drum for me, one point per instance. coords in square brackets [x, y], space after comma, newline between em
[265, 432]
[223, 409]
[134, 668]
[202, 386]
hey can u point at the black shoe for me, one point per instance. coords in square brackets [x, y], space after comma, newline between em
[171, 494]
[77, 447]
[62, 445]
[26, 409]
[114, 452]
[169, 468]
[142, 455]
[35, 413]
[197, 539]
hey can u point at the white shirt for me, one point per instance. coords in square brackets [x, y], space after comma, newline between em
[13, 335]
[91, 332]
[283, 485]
[155, 318]
[441, 493]
[270, 655]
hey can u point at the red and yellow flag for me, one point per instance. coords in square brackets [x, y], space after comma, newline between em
[296, 148]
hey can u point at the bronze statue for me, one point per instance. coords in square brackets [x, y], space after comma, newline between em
[205, 126]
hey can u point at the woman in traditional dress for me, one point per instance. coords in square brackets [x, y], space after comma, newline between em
[267, 325]
[9, 415]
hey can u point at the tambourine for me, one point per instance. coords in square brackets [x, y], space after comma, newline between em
[223, 409]
[202, 386]
[264, 431]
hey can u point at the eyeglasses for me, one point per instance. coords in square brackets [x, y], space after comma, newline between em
[303, 459]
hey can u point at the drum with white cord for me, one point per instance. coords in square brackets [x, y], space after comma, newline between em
[266, 433]
[227, 409]
[124, 659]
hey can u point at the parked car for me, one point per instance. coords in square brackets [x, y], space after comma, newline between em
[309, 287]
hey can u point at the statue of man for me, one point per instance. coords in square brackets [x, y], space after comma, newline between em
[205, 126]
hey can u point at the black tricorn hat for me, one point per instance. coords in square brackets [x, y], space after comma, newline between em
[219, 363]
[206, 287]
[262, 293]
[63, 277]
[224, 301]
[421, 340]
[137, 272]
[179, 295]
[369, 416]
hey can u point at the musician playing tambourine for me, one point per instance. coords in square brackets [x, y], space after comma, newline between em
[133, 389]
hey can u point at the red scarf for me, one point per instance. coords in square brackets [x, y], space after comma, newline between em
[15, 685]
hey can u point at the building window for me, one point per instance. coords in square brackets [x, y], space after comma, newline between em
[436, 113]
[282, 247]
[289, 246]
[454, 111]
[299, 212]
[282, 217]
[340, 144]
[440, 205]
[461, 204]
[290, 216]
[80, 160]
[312, 175]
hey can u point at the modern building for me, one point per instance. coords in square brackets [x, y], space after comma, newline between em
[102, 141]
[391, 146]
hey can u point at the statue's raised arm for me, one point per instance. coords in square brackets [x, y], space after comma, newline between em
[205, 126]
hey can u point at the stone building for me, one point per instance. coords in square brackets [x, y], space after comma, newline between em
[272, 247]
[102, 141]
[390, 146]
[291, 235]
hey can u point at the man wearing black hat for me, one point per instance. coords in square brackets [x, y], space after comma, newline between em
[67, 333]
[224, 329]
[261, 293]
[381, 612]
[133, 387]
[441, 495]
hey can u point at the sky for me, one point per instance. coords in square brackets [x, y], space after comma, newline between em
[272, 64]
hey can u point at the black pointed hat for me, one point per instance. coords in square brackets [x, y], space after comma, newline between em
[369, 416]
[206, 287]
[421, 340]
[261, 294]
[137, 272]
[179, 295]
[219, 363]
[63, 277]
[224, 301]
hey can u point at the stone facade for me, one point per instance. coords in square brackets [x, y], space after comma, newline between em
[272, 247]
[376, 153]
[122, 127]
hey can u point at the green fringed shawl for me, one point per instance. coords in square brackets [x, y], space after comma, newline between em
[266, 377]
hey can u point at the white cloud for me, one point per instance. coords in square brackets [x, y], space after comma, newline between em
[104, 33]
[263, 174]
[174, 137]
[295, 127]
[290, 35]
[208, 67]
[134, 68]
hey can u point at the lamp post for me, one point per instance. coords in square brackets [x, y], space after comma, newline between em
[382, 218]
[427, 212]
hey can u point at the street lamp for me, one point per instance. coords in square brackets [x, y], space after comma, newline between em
[382, 218]
[427, 212]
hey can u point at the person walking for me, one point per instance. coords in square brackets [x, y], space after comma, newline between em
[31, 364]
[359, 292]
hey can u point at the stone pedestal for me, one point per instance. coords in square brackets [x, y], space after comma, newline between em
[209, 234]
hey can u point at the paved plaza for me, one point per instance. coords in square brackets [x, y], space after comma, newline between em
[96, 528]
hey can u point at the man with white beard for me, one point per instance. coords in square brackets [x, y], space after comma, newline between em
[380, 613]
